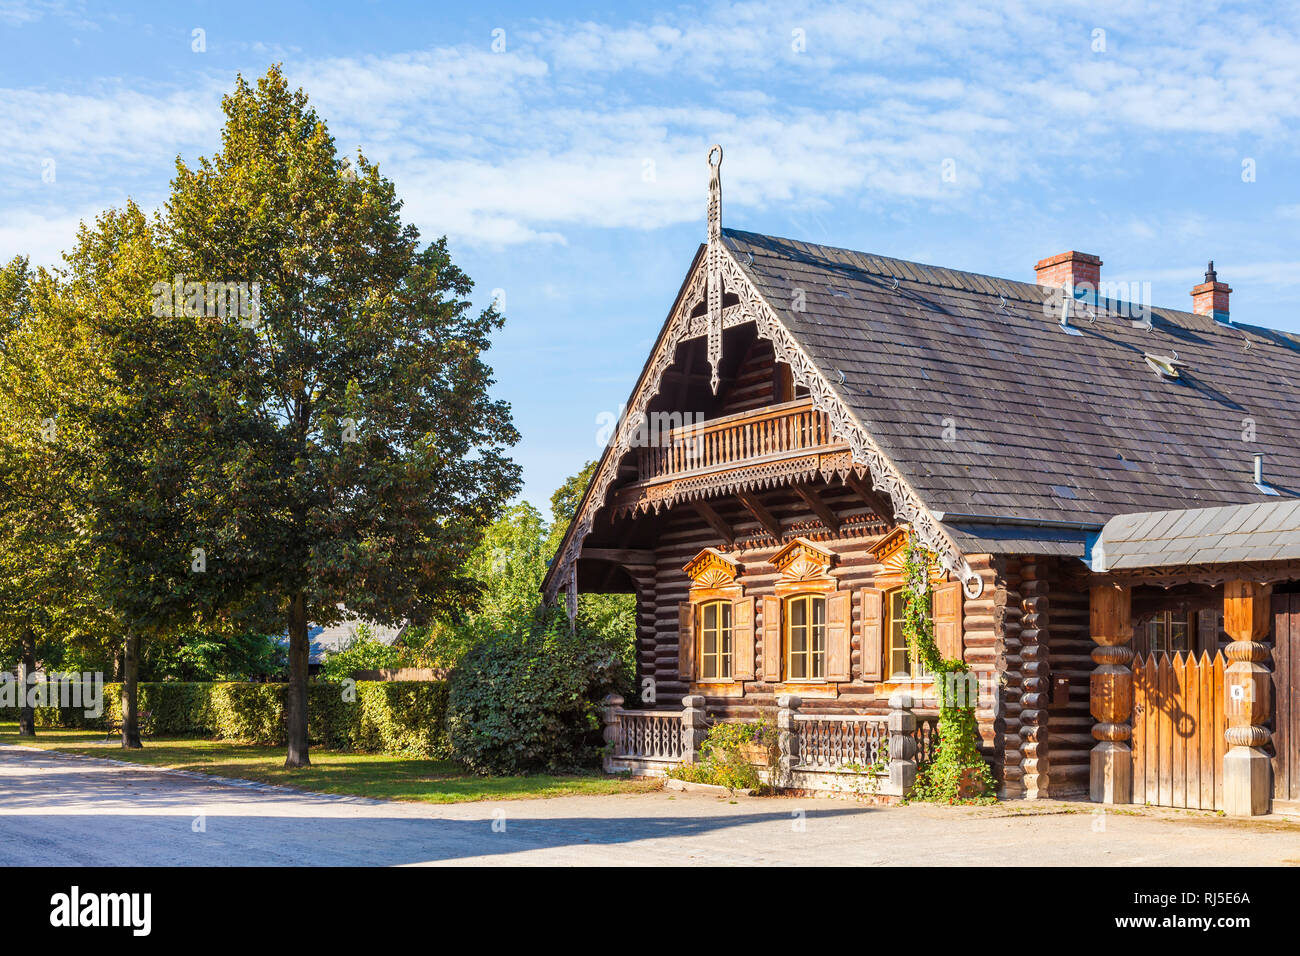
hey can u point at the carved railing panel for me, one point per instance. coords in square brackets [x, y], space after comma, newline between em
[649, 734]
[839, 741]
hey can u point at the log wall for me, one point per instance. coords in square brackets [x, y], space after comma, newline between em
[754, 384]
[1070, 655]
[684, 534]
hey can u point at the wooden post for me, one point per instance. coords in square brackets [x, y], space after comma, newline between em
[1111, 695]
[787, 736]
[1247, 699]
[1035, 694]
[902, 745]
[695, 725]
[613, 714]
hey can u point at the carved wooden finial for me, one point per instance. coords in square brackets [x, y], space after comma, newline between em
[715, 264]
[715, 192]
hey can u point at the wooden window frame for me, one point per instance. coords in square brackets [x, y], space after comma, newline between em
[742, 641]
[724, 674]
[920, 675]
[890, 578]
[810, 655]
[1166, 619]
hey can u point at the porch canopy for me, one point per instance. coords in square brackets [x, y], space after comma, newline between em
[1235, 534]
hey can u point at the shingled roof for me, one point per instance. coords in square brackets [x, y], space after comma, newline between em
[1264, 531]
[1050, 426]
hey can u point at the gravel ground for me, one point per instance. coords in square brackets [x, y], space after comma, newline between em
[62, 810]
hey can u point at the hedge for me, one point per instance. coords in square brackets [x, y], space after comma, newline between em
[402, 718]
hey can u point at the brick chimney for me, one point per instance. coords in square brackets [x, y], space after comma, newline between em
[1211, 296]
[1069, 269]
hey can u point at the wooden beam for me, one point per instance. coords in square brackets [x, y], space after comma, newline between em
[761, 514]
[819, 507]
[875, 500]
[714, 521]
[623, 556]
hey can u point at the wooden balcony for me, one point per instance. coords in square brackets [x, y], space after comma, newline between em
[770, 433]
[779, 444]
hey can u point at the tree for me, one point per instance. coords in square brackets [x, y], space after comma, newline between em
[20, 503]
[613, 616]
[565, 501]
[144, 417]
[362, 452]
[44, 545]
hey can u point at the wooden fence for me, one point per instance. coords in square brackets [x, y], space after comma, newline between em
[1178, 726]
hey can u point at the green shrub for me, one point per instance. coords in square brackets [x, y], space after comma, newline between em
[403, 718]
[724, 760]
[399, 717]
[364, 654]
[528, 701]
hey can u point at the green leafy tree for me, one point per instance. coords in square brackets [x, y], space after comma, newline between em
[510, 563]
[201, 654]
[144, 418]
[45, 547]
[364, 654]
[613, 616]
[565, 501]
[361, 453]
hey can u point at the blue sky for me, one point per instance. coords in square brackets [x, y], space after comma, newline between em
[567, 169]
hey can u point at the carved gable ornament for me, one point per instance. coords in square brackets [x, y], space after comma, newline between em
[712, 569]
[801, 560]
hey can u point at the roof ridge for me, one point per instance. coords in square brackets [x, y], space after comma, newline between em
[924, 275]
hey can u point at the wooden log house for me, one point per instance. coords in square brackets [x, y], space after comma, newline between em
[1109, 489]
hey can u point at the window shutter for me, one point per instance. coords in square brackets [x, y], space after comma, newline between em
[772, 640]
[839, 621]
[1207, 628]
[873, 629]
[742, 639]
[686, 641]
[947, 620]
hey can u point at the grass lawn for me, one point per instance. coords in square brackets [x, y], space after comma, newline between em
[364, 775]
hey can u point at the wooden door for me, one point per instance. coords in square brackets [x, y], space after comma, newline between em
[1286, 701]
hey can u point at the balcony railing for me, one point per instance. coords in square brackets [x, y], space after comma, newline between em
[775, 431]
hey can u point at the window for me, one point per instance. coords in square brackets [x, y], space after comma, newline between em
[1167, 632]
[805, 637]
[715, 641]
[902, 661]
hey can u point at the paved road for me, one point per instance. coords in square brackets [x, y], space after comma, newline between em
[60, 810]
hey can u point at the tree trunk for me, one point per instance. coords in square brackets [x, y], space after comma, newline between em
[26, 668]
[295, 713]
[130, 693]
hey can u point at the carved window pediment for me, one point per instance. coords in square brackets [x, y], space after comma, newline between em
[712, 569]
[890, 552]
[802, 560]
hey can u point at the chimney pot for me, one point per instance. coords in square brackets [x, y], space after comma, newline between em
[1069, 270]
[1211, 296]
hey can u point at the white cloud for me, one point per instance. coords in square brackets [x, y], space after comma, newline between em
[555, 133]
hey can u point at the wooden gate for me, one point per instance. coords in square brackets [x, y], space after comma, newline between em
[1286, 702]
[1178, 726]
